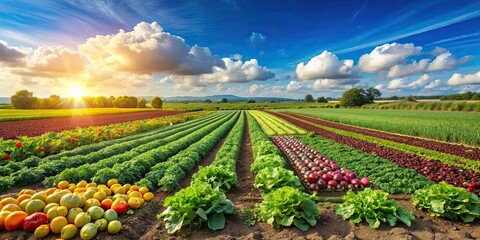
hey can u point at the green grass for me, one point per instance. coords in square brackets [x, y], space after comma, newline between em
[459, 127]
[23, 114]
[242, 106]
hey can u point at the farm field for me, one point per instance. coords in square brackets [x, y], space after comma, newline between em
[231, 157]
[35, 127]
[23, 114]
[439, 125]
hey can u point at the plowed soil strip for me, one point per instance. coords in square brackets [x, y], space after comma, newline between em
[30, 128]
[434, 170]
[449, 148]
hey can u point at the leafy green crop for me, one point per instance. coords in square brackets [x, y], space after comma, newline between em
[194, 206]
[373, 206]
[269, 179]
[286, 206]
[216, 177]
[444, 200]
[267, 161]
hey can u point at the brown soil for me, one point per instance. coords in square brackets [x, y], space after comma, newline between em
[35, 127]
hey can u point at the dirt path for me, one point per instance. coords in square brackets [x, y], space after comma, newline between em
[30, 128]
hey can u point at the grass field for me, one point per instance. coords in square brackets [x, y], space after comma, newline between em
[242, 106]
[461, 127]
[22, 114]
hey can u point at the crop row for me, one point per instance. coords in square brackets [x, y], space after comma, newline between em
[272, 125]
[283, 204]
[434, 170]
[89, 169]
[421, 152]
[97, 151]
[167, 175]
[439, 125]
[51, 143]
[204, 201]
[449, 148]
[316, 170]
[382, 173]
[30, 175]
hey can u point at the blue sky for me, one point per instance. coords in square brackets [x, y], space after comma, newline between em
[248, 48]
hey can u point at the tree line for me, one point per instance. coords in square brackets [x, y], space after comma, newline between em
[462, 96]
[24, 99]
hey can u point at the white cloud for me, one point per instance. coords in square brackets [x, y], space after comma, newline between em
[258, 88]
[334, 84]
[434, 84]
[11, 56]
[438, 50]
[386, 56]
[256, 37]
[421, 82]
[379, 86]
[460, 79]
[148, 49]
[325, 65]
[236, 56]
[234, 72]
[446, 61]
[294, 86]
[398, 71]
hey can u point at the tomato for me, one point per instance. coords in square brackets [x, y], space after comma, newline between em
[19, 144]
[95, 212]
[110, 215]
[34, 205]
[148, 196]
[72, 201]
[14, 220]
[57, 224]
[41, 149]
[3, 215]
[114, 227]
[100, 195]
[11, 207]
[106, 204]
[63, 185]
[72, 214]
[69, 231]
[49, 206]
[53, 198]
[8, 200]
[90, 203]
[111, 182]
[81, 219]
[6, 156]
[120, 206]
[143, 190]
[101, 224]
[88, 231]
[42, 231]
[33, 221]
[135, 202]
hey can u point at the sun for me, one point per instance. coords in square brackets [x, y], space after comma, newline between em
[76, 92]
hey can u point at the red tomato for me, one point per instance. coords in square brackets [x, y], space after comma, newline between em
[19, 144]
[120, 206]
[6, 156]
[41, 149]
[33, 221]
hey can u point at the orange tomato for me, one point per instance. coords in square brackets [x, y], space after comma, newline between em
[127, 186]
[120, 190]
[63, 185]
[111, 182]
[120, 206]
[8, 200]
[134, 188]
[14, 220]
[50, 191]
[106, 204]
[57, 224]
[23, 197]
[143, 190]
[3, 215]
[11, 207]
[148, 196]
[134, 202]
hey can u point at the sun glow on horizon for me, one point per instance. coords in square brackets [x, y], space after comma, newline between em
[76, 92]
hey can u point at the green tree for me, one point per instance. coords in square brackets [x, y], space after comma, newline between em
[141, 103]
[476, 96]
[322, 100]
[208, 101]
[372, 93]
[251, 101]
[354, 97]
[224, 100]
[309, 98]
[157, 102]
[24, 99]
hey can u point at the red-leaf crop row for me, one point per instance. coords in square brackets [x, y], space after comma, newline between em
[316, 170]
[453, 149]
[434, 170]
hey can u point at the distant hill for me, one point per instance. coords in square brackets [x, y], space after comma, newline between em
[230, 98]
[4, 100]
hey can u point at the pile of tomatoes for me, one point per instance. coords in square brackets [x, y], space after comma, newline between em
[84, 208]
